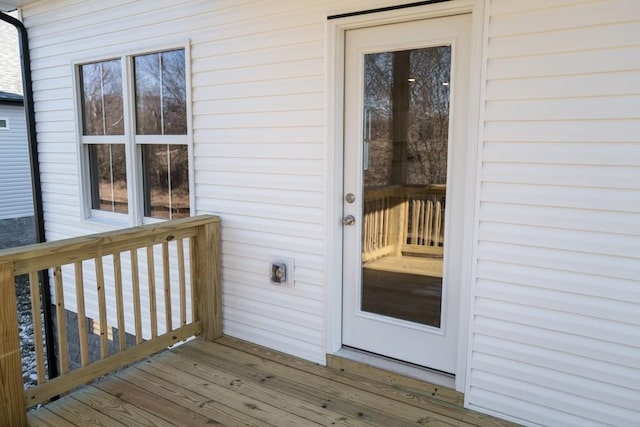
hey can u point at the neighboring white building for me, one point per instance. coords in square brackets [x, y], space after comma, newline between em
[540, 311]
[15, 178]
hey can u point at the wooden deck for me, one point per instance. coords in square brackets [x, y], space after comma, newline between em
[231, 382]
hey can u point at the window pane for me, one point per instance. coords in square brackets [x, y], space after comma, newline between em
[166, 181]
[174, 103]
[161, 93]
[102, 112]
[108, 174]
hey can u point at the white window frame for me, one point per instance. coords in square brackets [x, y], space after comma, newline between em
[132, 142]
[6, 121]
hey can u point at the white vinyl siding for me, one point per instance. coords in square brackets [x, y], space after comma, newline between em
[257, 88]
[555, 316]
[15, 172]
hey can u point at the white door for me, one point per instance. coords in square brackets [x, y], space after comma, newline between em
[404, 182]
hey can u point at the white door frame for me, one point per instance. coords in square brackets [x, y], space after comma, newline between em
[334, 109]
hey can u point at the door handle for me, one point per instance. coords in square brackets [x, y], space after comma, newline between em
[348, 220]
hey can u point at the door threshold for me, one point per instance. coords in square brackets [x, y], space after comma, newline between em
[406, 369]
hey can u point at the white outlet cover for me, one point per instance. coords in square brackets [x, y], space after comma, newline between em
[290, 271]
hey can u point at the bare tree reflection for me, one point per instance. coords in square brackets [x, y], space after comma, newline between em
[161, 94]
[406, 119]
[102, 98]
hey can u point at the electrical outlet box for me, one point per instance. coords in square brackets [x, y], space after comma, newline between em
[281, 272]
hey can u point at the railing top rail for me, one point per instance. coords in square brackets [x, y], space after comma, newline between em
[403, 190]
[44, 255]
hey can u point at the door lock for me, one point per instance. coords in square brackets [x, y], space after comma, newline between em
[348, 220]
[350, 198]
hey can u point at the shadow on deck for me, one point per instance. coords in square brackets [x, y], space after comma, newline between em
[231, 382]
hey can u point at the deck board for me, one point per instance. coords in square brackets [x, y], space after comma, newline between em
[231, 382]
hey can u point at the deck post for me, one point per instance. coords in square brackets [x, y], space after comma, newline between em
[208, 291]
[12, 405]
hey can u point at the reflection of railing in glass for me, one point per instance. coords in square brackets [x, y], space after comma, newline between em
[401, 220]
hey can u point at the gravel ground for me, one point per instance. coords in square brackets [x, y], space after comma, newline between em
[25, 322]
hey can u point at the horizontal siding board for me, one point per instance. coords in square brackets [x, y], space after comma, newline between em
[624, 83]
[614, 403]
[15, 173]
[563, 153]
[561, 64]
[507, 7]
[587, 242]
[261, 335]
[623, 177]
[310, 167]
[484, 397]
[597, 108]
[303, 101]
[263, 150]
[549, 19]
[554, 259]
[621, 382]
[270, 211]
[262, 73]
[268, 240]
[516, 380]
[202, 137]
[281, 197]
[297, 331]
[579, 284]
[251, 89]
[611, 354]
[304, 118]
[612, 200]
[262, 180]
[583, 38]
[274, 309]
[598, 329]
[538, 296]
[605, 131]
[278, 227]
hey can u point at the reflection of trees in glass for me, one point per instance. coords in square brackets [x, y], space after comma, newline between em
[415, 84]
[161, 101]
[429, 115]
[166, 180]
[378, 83]
[102, 110]
[108, 177]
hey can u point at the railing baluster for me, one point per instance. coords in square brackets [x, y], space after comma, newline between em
[167, 286]
[117, 273]
[193, 271]
[182, 282]
[151, 272]
[135, 288]
[438, 224]
[63, 357]
[102, 308]
[82, 316]
[36, 313]
[415, 218]
[429, 224]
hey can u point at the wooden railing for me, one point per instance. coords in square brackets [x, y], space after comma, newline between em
[403, 219]
[186, 254]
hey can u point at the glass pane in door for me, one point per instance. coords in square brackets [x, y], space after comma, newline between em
[406, 133]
